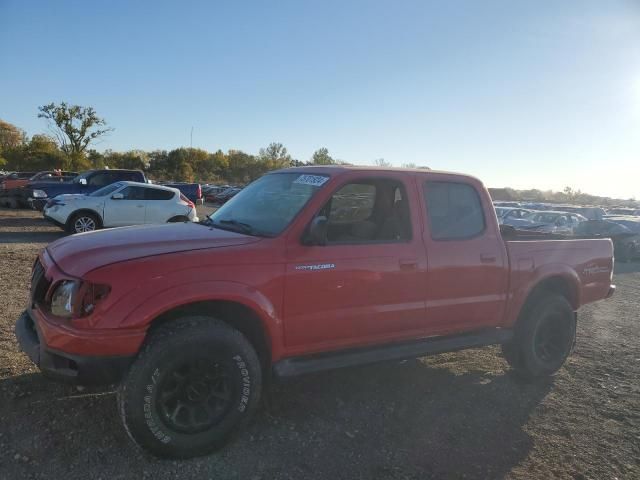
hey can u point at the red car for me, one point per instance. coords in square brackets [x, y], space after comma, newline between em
[306, 269]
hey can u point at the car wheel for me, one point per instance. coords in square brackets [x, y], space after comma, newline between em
[544, 337]
[178, 219]
[83, 222]
[195, 382]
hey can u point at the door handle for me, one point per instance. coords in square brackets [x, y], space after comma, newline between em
[408, 263]
[487, 258]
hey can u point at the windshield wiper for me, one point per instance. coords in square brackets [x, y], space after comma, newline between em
[238, 227]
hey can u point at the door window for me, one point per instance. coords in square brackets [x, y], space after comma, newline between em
[158, 194]
[454, 210]
[367, 212]
[133, 193]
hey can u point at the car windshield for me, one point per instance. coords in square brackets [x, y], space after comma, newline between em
[267, 206]
[104, 191]
[501, 212]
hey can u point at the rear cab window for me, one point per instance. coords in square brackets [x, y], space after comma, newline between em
[454, 210]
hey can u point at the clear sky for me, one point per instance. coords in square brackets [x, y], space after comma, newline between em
[528, 94]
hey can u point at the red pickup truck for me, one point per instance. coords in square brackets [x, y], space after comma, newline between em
[306, 269]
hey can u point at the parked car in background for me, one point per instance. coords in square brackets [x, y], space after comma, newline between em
[633, 212]
[501, 203]
[553, 222]
[227, 194]
[626, 242]
[119, 204]
[507, 215]
[212, 191]
[39, 192]
[632, 223]
[15, 179]
[590, 213]
[47, 176]
[193, 191]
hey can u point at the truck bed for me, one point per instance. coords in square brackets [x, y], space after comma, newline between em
[583, 266]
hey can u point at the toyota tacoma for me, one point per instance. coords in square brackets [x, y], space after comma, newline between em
[306, 269]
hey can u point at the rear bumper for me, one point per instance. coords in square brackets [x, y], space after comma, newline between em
[80, 369]
[612, 290]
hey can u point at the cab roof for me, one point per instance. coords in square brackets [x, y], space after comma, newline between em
[340, 169]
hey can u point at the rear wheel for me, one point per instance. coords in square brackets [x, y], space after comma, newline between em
[193, 385]
[83, 222]
[544, 337]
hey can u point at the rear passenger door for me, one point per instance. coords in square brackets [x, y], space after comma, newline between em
[160, 205]
[129, 210]
[468, 271]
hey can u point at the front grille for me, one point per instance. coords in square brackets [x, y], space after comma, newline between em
[39, 283]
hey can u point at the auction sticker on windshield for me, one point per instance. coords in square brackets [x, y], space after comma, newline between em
[314, 180]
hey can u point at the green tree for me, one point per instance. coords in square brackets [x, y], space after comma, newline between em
[275, 156]
[322, 157]
[243, 167]
[11, 136]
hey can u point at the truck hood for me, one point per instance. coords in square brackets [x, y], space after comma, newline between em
[78, 254]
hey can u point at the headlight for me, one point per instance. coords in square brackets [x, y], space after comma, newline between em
[39, 194]
[62, 299]
[77, 299]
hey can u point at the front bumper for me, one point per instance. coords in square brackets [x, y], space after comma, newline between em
[80, 369]
[54, 221]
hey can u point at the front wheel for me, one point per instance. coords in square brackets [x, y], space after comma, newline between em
[83, 222]
[194, 384]
[544, 337]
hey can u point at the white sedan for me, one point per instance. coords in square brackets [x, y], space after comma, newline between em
[118, 205]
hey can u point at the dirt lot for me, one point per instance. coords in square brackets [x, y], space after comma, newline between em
[460, 415]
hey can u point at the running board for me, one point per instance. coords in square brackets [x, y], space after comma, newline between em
[294, 366]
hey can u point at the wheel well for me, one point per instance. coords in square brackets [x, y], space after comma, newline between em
[554, 285]
[84, 210]
[238, 316]
[178, 218]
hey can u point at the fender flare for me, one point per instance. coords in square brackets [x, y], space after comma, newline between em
[543, 274]
[193, 292]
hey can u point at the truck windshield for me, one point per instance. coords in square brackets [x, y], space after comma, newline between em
[267, 206]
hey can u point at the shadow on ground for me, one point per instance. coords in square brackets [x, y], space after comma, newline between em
[397, 420]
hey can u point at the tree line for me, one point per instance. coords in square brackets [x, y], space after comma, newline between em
[75, 129]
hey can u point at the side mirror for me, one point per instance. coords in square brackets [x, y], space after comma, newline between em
[83, 181]
[317, 233]
[117, 196]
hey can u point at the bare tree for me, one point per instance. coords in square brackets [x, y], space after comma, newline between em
[74, 126]
[381, 162]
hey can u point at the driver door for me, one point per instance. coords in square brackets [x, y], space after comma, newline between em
[128, 210]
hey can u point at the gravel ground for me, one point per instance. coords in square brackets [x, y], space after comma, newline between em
[458, 415]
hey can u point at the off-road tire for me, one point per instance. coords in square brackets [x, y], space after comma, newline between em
[148, 392]
[72, 226]
[544, 337]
